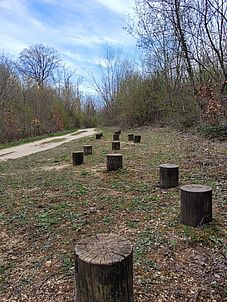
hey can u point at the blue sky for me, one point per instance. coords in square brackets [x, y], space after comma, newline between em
[78, 29]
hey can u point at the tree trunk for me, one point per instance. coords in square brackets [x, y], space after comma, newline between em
[196, 204]
[137, 138]
[87, 149]
[114, 162]
[99, 135]
[115, 145]
[78, 158]
[104, 269]
[116, 137]
[130, 137]
[169, 176]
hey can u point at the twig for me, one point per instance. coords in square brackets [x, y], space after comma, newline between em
[196, 295]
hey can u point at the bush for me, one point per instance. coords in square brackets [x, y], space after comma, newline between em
[214, 131]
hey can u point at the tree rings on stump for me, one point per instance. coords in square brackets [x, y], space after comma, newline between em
[104, 269]
[78, 158]
[130, 137]
[137, 138]
[118, 132]
[116, 145]
[87, 149]
[196, 204]
[114, 161]
[169, 175]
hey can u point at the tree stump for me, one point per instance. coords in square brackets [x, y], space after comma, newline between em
[116, 137]
[169, 176]
[196, 204]
[130, 137]
[87, 149]
[116, 145]
[114, 162]
[137, 138]
[78, 158]
[98, 135]
[104, 269]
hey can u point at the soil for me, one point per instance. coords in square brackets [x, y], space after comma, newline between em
[43, 145]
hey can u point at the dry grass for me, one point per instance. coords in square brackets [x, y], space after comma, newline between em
[47, 204]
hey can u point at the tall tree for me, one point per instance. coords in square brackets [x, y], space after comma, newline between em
[114, 67]
[38, 62]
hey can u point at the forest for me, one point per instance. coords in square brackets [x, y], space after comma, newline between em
[180, 79]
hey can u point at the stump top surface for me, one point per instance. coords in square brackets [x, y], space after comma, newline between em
[169, 166]
[114, 155]
[78, 152]
[196, 188]
[103, 249]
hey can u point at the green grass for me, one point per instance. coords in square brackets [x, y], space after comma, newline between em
[45, 209]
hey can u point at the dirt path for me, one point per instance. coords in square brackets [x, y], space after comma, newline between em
[42, 145]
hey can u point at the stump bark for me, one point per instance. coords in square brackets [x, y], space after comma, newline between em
[114, 162]
[130, 137]
[137, 138]
[104, 269]
[78, 158]
[87, 149]
[196, 204]
[99, 135]
[169, 175]
[116, 145]
[116, 137]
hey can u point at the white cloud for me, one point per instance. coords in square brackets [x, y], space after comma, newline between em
[76, 29]
[118, 6]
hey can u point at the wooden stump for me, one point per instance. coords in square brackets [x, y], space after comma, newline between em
[98, 135]
[116, 137]
[137, 138]
[169, 176]
[130, 137]
[196, 204]
[78, 158]
[87, 149]
[115, 145]
[104, 269]
[114, 162]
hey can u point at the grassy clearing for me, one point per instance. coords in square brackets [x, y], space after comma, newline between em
[46, 204]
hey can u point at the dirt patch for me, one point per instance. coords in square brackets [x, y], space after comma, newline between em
[42, 145]
[6, 153]
[57, 168]
[52, 141]
[79, 132]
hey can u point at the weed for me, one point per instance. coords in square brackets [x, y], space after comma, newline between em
[45, 220]
[107, 219]
[67, 262]
[132, 224]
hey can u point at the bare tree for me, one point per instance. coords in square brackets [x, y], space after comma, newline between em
[38, 63]
[114, 67]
